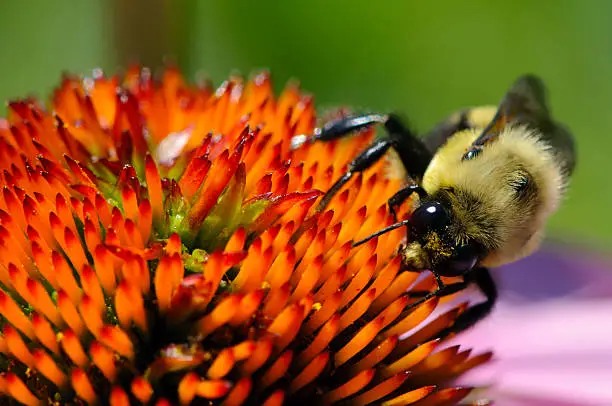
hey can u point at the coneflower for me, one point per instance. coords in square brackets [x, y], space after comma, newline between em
[159, 244]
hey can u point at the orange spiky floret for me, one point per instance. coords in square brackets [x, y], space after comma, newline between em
[160, 243]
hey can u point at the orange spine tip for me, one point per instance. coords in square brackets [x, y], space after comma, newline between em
[72, 346]
[222, 365]
[264, 185]
[154, 187]
[193, 176]
[221, 314]
[45, 364]
[429, 330]
[248, 306]
[413, 319]
[352, 225]
[244, 350]
[212, 389]
[118, 397]
[310, 372]
[138, 310]
[359, 281]
[282, 267]
[91, 315]
[359, 341]
[74, 249]
[411, 359]
[357, 308]
[43, 263]
[398, 287]
[123, 305]
[239, 393]
[394, 310]
[308, 280]
[82, 386]
[385, 276]
[410, 397]
[276, 300]
[304, 241]
[222, 170]
[259, 357]
[351, 387]
[361, 256]
[104, 359]
[277, 398]
[14, 315]
[44, 333]
[236, 241]
[65, 278]
[282, 324]
[142, 389]
[336, 259]
[145, 219]
[252, 274]
[214, 269]
[381, 390]
[440, 358]
[133, 234]
[92, 288]
[173, 245]
[130, 202]
[104, 269]
[328, 308]
[311, 248]
[19, 391]
[188, 387]
[321, 340]
[376, 356]
[16, 346]
[276, 370]
[14, 207]
[118, 340]
[103, 210]
[164, 283]
[92, 236]
[472, 363]
[332, 284]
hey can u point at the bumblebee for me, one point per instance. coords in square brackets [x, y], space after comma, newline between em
[487, 179]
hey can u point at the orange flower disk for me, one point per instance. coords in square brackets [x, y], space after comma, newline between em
[160, 243]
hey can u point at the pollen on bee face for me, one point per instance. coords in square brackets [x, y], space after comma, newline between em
[161, 242]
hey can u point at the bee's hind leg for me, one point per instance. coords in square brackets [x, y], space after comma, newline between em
[413, 153]
[481, 277]
[362, 162]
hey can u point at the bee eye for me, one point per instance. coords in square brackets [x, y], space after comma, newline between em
[462, 260]
[430, 216]
[471, 154]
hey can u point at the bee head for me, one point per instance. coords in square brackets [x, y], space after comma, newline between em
[430, 226]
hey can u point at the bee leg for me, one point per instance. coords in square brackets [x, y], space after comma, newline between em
[411, 150]
[340, 128]
[401, 195]
[381, 231]
[362, 162]
[482, 278]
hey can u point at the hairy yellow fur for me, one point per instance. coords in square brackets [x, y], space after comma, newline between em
[485, 205]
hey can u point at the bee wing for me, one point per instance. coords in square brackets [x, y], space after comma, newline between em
[526, 104]
[437, 136]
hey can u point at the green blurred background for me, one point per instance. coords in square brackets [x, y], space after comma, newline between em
[424, 59]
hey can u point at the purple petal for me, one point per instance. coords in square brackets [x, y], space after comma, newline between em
[550, 332]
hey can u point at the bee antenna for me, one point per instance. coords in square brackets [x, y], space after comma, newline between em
[381, 232]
